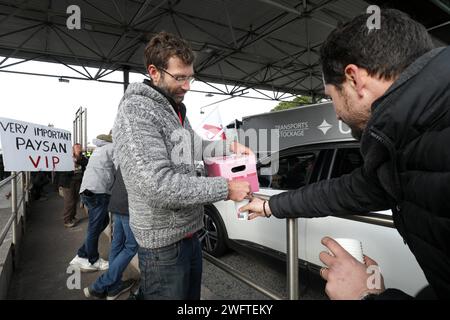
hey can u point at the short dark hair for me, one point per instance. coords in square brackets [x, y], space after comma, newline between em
[165, 45]
[383, 52]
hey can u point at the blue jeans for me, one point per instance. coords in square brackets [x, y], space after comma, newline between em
[123, 248]
[171, 272]
[97, 205]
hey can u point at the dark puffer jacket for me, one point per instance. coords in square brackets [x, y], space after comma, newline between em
[64, 178]
[406, 150]
[118, 203]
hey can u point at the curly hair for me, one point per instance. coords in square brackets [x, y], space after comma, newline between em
[165, 45]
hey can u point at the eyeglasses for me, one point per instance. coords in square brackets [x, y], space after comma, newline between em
[180, 79]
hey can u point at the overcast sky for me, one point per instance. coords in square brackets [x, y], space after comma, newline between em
[45, 100]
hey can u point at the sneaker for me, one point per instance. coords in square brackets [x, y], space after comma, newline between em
[78, 261]
[91, 293]
[124, 287]
[85, 266]
[69, 224]
[133, 296]
[100, 264]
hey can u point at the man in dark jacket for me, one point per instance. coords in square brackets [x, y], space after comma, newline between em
[393, 90]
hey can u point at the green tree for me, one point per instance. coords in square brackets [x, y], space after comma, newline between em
[298, 101]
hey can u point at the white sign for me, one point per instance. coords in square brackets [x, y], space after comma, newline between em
[31, 147]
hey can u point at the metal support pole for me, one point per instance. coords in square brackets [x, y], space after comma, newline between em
[14, 205]
[292, 258]
[28, 177]
[76, 130]
[80, 126]
[23, 194]
[74, 133]
[126, 78]
[84, 146]
[27, 194]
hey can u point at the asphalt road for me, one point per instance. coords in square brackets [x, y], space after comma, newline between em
[266, 272]
[220, 285]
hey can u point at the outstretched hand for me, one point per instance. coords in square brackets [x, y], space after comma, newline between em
[256, 208]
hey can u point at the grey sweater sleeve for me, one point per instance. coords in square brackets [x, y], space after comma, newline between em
[147, 167]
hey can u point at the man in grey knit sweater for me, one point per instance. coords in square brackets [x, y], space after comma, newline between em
[156, 149]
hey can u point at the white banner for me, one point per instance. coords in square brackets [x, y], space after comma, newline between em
[31, 147]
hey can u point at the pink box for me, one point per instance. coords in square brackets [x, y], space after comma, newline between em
[234, 167]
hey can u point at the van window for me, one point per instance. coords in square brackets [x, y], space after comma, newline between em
[346, 161]
[294, 171]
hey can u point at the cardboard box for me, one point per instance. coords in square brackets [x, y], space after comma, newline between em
[234, 167]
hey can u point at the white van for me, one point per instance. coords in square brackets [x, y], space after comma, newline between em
[313, 146]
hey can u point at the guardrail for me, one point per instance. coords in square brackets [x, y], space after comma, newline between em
[19, 199]
[291, 254]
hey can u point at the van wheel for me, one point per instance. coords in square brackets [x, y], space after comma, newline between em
[213, 235]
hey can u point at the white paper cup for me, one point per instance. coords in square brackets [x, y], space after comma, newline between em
[352, 246]
[240, 204]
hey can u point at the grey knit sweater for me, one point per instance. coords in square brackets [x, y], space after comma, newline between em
[156, 156]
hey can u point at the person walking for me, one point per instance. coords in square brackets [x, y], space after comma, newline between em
[95, 193]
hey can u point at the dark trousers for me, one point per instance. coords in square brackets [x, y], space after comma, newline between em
[97, 205]
[71, 197]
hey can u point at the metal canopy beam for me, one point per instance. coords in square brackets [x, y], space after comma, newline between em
[261, 44]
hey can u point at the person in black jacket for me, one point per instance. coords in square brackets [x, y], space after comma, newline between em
[123, 247]
[393, 90]
[70, 181]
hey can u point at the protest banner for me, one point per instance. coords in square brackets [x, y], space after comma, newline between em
[32, 147]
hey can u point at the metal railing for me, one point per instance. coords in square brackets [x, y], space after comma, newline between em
[291, 255]
[19, 199]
